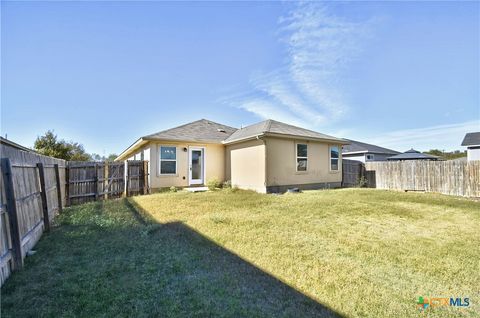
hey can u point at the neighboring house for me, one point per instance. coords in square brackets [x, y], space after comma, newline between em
[266, 157]
[472, 141]
[364, 152]
[412, 154]
[12, 144]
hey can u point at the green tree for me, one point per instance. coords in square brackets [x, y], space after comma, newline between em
[97, 157]
[50, 145]
[112, 157]
[447, 155]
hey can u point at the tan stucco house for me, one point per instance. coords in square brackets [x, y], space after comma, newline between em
[269, 156]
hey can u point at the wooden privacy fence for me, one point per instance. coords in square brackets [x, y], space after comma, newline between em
[92, 181]
[35, 188]
[32, 192]
[447, 177]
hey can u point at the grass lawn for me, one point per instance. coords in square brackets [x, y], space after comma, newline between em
[349, 252]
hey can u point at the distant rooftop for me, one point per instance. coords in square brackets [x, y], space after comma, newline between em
[471, 139]
[357, 146]
[15, 145]
[413, 154]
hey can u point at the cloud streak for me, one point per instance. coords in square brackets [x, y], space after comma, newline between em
[319, 48]
[426, 138]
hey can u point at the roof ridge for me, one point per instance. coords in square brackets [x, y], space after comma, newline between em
[268, 125]
[186, 124]
[214, 122]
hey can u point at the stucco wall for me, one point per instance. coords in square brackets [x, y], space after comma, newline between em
[360, 157]
[246, 165]
[214, 164]
[281, 163]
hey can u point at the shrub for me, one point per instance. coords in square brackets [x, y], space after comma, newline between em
[173, 189]
[227, 184]
[362, 182]
[213, 184]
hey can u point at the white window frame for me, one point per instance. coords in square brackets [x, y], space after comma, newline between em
[330, 158]
[369, 156]
[160, 161]
[300, 157]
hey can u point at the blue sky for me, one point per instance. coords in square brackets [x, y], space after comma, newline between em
[400, 75]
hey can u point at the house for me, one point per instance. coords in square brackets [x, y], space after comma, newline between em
[12, 144]
[472, 141]
[269, 156]
[364, 152]
[412, 154]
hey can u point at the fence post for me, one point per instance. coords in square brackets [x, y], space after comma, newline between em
[106, 181]
[145, 177]
[12, 213]
[96, 181]
[59, 189]
[67, 184]
[127, 184]
[43, 195]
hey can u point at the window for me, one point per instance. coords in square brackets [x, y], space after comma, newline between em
[302, 157]
[370, 157]
[168, 160]
[333, 157]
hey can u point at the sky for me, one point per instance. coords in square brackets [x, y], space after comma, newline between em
[397, 74]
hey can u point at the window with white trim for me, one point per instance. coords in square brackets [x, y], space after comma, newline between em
[370, 157]
[168, 160]
[302, 157]
[334, 155]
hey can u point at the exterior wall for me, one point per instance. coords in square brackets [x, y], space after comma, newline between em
[363, 157]
[378, 157]
[281, 165]
[246, 165]
[357, 157]
[214, 162]
[473, 153]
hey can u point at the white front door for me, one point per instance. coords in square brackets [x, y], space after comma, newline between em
[196, 165]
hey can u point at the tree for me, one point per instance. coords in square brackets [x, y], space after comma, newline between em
[49, 145]
[447, 155]
[97, 157]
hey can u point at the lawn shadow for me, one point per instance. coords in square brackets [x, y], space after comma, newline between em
[146, 269]
[212, 272]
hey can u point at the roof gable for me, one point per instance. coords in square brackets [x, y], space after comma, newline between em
[202, 130]
[471, 139]
[274, 127]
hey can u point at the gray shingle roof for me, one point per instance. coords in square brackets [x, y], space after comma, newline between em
[275, 127]
[202, 130]
[471, 139]
[357, 146]
[413, 154]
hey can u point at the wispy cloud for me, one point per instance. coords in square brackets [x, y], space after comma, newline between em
[307, 89]
[444, 137]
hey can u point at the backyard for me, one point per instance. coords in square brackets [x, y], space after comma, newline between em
[348, 252]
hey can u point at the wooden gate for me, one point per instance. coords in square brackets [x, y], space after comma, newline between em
[352, 172]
